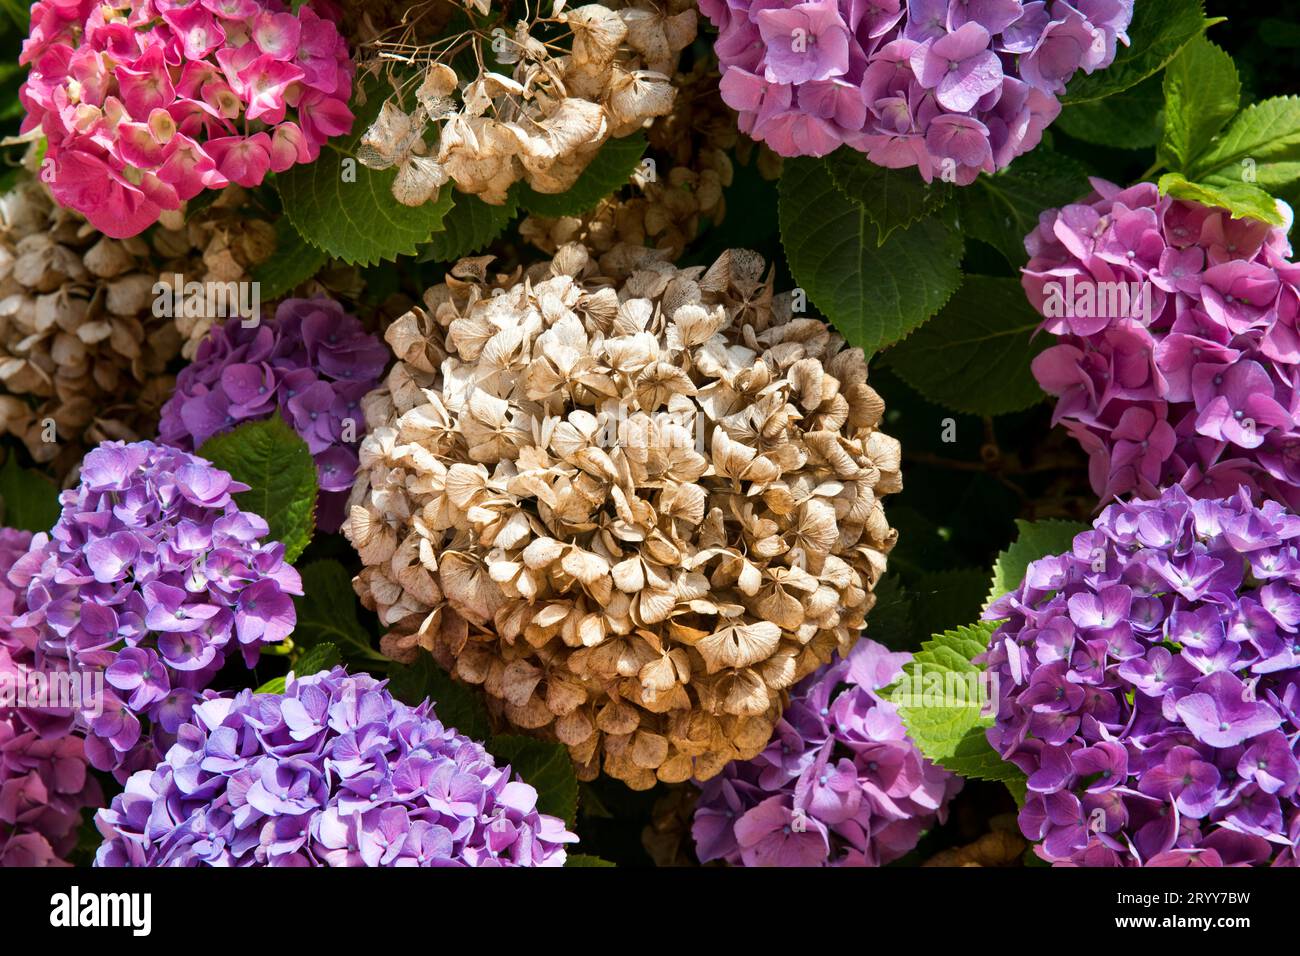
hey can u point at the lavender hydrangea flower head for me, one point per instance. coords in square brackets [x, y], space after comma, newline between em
[43, 780]
[1149, 687]
[839, 785]
[150, 581]
[1179, 343]
[953, 87]
[333, 772]
[313, 363]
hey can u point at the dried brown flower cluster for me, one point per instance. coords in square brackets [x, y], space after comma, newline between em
[222, 243]
[1002, 845]
[667, 837]
[574, 79]
[635, 506]
[82, 357]
[692, 147]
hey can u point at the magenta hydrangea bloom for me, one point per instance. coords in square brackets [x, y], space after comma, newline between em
[333, 772]
[150, 581]
[313, 364]
[1179, 346]
[146, 103]
[953, 87]
[839, 785]
[1148, 684]
[44, 785]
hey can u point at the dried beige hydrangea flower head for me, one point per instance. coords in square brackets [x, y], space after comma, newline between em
[82, 356]
[636, 503]
[223, 242]
[692, 150]
[548, 92]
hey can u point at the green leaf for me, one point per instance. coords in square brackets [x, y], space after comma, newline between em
[546, 767]
[28, 500]
[455, 704]
[1034, 540]
[1202, 91]
[873, 294]
[276, 685]
[356, 221]
[470, 226]
[278, 468]
[611, 168]
[891, 198]
[584, 859]
[1241, 199]
[319, 658]
[1002, 209]
[1133, 119]
[294, 261]
[940, 699]
[1159, 30]
[1261, 146]
[327, 612]
[974, 356]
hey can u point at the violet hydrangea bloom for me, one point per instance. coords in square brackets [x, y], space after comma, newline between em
[44, 785]
[839, 785]
[1179, 344]
[333, 772]
[953, 87]
[313, 363]
[146, 103]
[150, 581]
[1148, 683]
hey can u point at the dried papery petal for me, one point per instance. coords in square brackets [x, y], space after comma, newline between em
[646, 566]
[680, 184]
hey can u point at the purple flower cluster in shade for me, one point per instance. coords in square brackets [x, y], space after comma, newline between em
[313, 363]
[1179, 343]
[44, 785]
[154, 576]
[333, 772]
[839, 785]
[948, 86]
[1148, 684]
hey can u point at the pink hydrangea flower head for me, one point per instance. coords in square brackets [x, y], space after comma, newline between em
[1178, 343]
[146, 103]
[953, 87]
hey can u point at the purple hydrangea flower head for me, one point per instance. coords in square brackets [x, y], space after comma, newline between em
[1178, 347]
[44, 784]
[333, 772]
[149, 582]
[313, 363]
[840, 784]
[1148, 684]
[953, 87]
